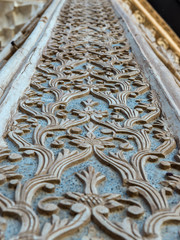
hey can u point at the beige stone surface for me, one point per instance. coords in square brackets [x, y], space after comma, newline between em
[13, 15]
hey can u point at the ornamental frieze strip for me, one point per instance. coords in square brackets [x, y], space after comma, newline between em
[89, 142]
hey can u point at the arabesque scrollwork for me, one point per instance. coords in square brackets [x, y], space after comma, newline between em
[89, 103]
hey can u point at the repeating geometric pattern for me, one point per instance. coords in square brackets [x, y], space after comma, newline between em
[88, 147]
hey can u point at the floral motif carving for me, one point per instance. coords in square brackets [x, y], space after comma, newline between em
[88, 104]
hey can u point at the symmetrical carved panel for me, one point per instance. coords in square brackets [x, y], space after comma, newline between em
[89, 154]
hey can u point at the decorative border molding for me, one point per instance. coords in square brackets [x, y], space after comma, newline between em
[162, 39]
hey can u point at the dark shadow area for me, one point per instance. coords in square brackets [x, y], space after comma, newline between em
[169, 10]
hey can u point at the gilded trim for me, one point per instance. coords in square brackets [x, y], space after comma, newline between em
[162, 39]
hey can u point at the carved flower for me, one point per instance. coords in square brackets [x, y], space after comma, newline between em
[162, 135]
[98, 204]
[90, 85]
[88, 110]
[91, 140]
[91, 198]
[89, 206]
[91, 112]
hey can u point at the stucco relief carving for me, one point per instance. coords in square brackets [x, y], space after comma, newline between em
[91, 109]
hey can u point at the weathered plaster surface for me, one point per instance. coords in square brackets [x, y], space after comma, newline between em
[14, 14]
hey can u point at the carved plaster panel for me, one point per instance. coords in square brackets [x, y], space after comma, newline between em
[89, 154]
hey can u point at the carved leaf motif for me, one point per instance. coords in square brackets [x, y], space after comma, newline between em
[91, 179]
[131, 227]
